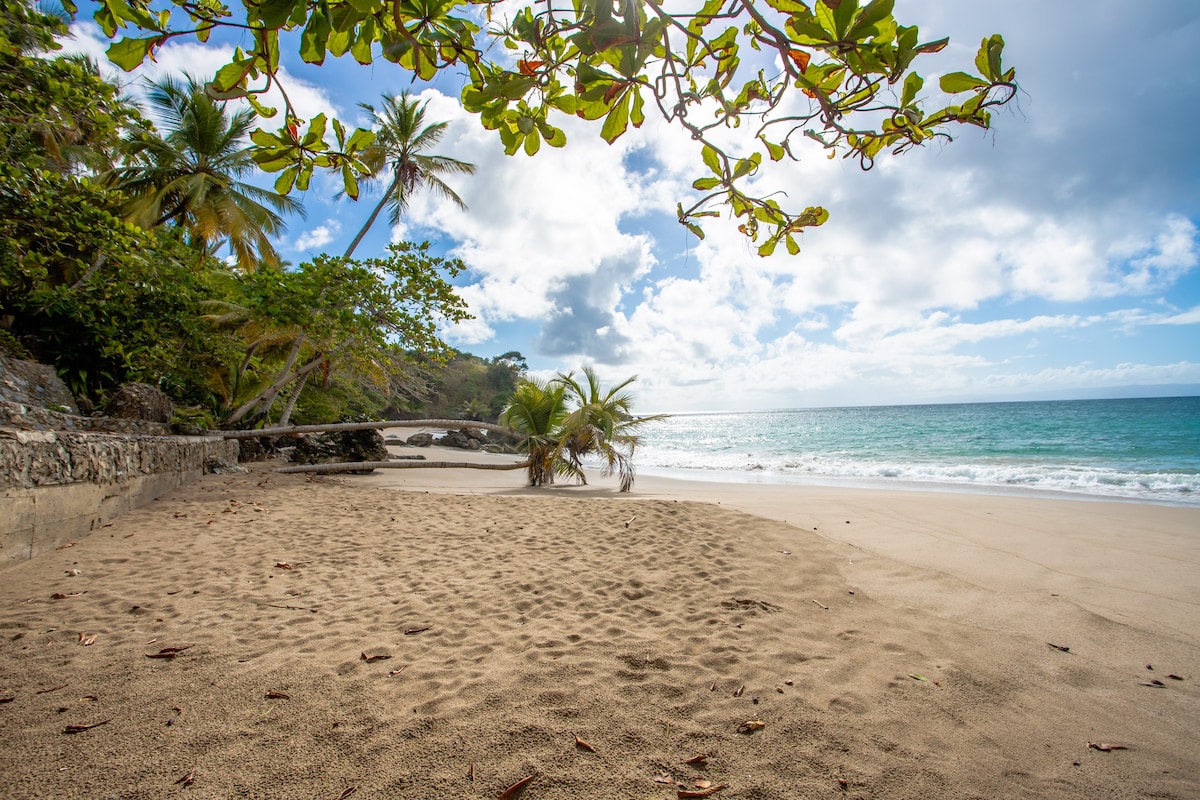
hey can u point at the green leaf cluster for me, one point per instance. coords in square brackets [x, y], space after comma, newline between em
[599, 60]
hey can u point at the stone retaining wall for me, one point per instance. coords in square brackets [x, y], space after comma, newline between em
[55, 486]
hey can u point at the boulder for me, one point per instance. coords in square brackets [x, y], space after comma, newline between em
[29, 383]
[461, 439]
[419, 440]
[140, 401]
[341, 447]
[259, 449]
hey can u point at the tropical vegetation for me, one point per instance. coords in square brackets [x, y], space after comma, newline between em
[187, 169]
[110, 228]
[565, 421]
[748, 80]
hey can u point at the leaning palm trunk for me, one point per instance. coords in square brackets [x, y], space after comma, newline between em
[383, 201]
[290, 406]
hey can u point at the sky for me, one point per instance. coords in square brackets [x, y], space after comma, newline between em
[1054, 256]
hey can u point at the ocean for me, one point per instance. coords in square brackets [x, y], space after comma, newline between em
[1145, 449]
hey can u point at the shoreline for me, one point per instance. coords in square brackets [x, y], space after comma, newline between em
[448, 633]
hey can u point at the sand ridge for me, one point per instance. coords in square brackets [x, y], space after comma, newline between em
[650, 629]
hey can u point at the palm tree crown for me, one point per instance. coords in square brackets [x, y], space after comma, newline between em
[188, 173]
[401, 143]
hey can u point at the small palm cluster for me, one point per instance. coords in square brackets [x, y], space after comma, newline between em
[565, 421]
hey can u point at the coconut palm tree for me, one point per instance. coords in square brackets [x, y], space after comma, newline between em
[401, 143]
[565, 421]
[189, 172]
[536, 411]
[601, 424]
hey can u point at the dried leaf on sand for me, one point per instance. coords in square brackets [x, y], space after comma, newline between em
[1106, 748]
[274, 695]
[371, 658]
[167, 652]
[582, 745]
[516, 788]
[685, 793]
[189, 779]
[750, 726]
[82, 728]
[700, 759]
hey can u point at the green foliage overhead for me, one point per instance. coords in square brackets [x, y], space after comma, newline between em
[838, 72]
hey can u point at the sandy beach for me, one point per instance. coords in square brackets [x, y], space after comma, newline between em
[430, 634]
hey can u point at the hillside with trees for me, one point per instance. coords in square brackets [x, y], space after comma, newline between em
[111, 222]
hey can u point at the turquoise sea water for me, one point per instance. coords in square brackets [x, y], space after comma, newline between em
[1143, 449]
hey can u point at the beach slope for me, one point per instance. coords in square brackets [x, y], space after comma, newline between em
[268, 635]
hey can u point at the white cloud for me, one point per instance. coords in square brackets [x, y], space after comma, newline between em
[318, 237]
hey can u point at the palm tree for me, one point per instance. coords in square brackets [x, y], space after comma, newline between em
[565, 421]
[602, 424]
[400, 146]
[536, 411]
[189, 173]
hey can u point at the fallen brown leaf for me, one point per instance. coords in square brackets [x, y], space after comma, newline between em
[274, 695]
[167, 652]
[1059, 647]
[1175, 677]
[189, 779]
[703, 784]
[51, 689]
[415, 631]
[66, 595]
[82, 728]
[685, 793]
[349, 790]
[582, 745]
[750, 726]
[516, 788]
[738, 691]
[664, 778]
[283, 565]
[371, 659]
[8, 698]
[1106, 748]
[700, 759]
[395, 672]
[87, 640]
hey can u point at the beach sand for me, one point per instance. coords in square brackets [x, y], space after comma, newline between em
[809, 642]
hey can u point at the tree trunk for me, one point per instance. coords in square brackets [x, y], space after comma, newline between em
[374, 216]
[350, 466]
[291, 403]
[363, 426]
[271, 392]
